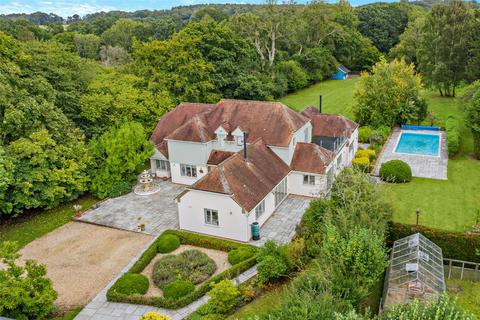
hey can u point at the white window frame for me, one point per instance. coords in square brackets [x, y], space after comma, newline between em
[162, 165]
[211, 217]
[239, 140]
[309, 179]
[188, 170]
[260, 210]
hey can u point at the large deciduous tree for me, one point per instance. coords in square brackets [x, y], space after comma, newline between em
[118, 155]
[473, 116]
[444, 46]
[25, 290]
[390, 95]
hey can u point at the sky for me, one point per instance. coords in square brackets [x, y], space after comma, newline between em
[66, 8]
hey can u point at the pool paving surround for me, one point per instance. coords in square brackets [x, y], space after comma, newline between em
[423, 166]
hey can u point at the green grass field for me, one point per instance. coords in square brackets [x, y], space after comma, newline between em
[450, 205]
[25, 229]
[467, 294]
[337, 96]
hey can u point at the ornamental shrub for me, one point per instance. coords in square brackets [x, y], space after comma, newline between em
[367, 153]
[131, 283]
[238, 255]
[167, 243]
[363, 164]
[271, 268]
[177, 289]
[191, 265]
[444, 308]
[453, 136]
[364, 134]
[223, 297]
[154, 316]
[395, 171]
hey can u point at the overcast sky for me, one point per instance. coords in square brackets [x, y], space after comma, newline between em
[66, 8]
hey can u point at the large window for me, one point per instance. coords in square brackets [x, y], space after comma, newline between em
[163, 165]
[260, 210]
[211, 217]
[309, 179]
[280, 192]
[187, 170]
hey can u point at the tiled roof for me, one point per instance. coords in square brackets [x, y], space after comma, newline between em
[330, 125]
[174, 119]
[248, 182]
[218, 156]
[272, 121]
[310, 157]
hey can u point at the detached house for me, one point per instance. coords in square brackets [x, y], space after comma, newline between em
[240, 159]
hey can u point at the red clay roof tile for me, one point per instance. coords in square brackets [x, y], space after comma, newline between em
[310, 157]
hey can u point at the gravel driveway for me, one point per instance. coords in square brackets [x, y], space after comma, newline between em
[82, 259]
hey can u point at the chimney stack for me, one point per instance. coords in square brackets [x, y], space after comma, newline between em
[320, 105]
[245, 135]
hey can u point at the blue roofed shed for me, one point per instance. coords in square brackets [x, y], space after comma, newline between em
[341, 74]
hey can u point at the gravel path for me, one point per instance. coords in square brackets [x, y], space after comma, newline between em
[82, 259]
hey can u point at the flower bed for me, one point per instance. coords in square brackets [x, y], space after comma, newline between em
[186, 238]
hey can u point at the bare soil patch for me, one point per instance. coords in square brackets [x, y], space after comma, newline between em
[220, 258]
[82, 259]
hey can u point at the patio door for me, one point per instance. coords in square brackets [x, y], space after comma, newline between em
[280, 192]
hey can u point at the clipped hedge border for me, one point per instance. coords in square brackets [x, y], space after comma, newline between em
[186, 238]
[455, 245]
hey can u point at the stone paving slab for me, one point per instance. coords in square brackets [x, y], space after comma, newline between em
[281, 225]
[422, 166]
[158, 212]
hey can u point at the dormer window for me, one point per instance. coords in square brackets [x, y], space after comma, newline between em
[221, 134]
[238, 134]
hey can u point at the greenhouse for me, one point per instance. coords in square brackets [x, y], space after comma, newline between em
[415, 272]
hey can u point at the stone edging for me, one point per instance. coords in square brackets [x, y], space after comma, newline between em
[100, 309]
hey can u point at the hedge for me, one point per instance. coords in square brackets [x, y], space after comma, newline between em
[455, 245]
[367, 153]
[177, 289]
[395, 171]
[131, 283]
[361, 163]
[453, 137]
[190, 239]
[167, 243]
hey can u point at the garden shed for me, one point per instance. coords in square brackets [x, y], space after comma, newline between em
[415, 272]
[341, 74]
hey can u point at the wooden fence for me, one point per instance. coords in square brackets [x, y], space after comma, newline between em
[463, 270]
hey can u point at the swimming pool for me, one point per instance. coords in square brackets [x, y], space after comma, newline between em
[418, 143]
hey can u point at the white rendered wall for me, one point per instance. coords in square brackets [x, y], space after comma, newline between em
[269, 209]
[233, 223]
[296, 186]
[153, 165]
[178, 178]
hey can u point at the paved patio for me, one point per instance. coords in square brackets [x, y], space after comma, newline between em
[158, 212]
[422, 166]
[280, 227]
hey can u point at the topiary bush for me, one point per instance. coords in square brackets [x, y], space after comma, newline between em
[364, 134]
[131, 283]
[191, 265]
[154, 316]
[363, 164]
[395, 171]
[167, 243]
[238, 255]
[177, 289]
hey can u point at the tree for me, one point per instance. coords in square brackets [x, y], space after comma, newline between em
[25, 291]
[6, 180]
[87, 46]
[444, 308]
[389, 96]
[382, 23]
[296, 77]
[473, 116]
[118, 155]
[45, 172]
[123, 33]
[319, 63]
[113, 98]
[113, 56]
[444, 46]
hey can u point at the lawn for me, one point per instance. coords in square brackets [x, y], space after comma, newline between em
[450, 205]
[27, 228]
[467, 294]
[337, 96]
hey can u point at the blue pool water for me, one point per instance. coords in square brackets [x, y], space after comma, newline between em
[417, 143]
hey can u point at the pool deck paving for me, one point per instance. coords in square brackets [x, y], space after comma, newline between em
[432, 167]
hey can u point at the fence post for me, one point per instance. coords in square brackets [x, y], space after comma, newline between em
[476, 271]
[463, 267]
[449, 269]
